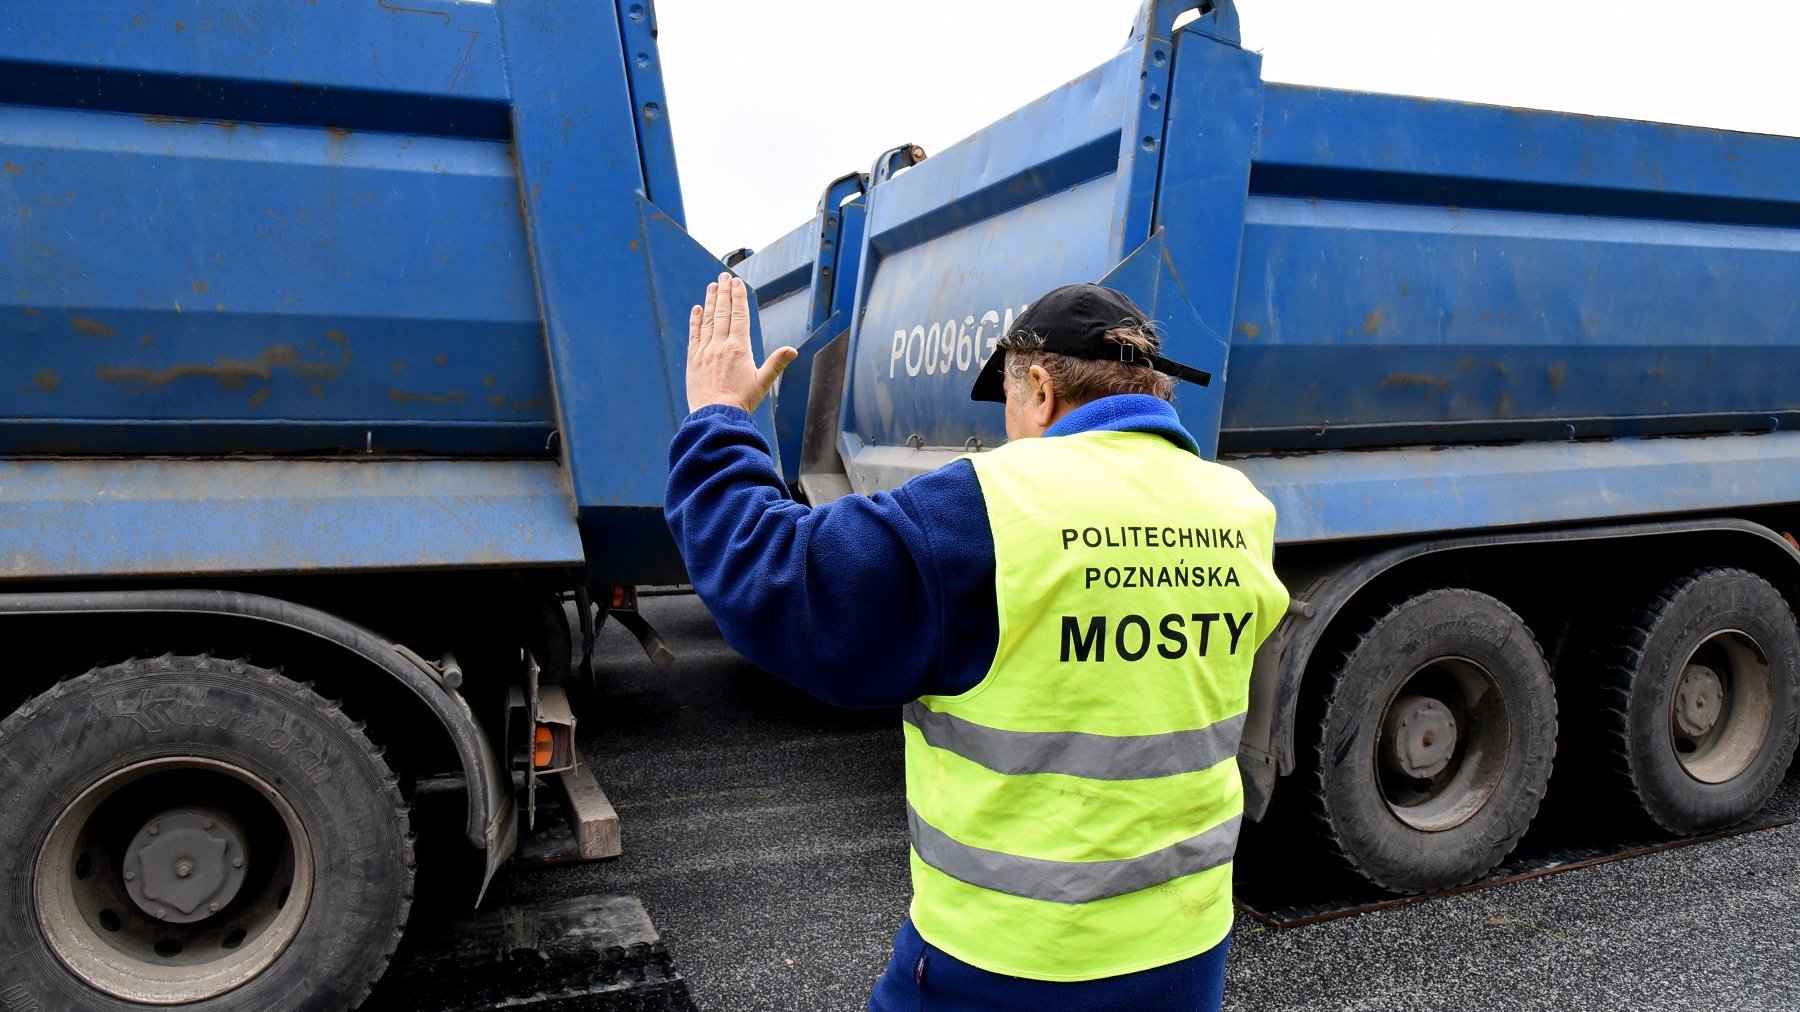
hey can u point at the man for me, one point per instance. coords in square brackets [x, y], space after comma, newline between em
[1069, 624]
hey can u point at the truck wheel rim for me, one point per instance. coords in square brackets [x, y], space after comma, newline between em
[1722, 707]
[244, 851]
[1443, 744]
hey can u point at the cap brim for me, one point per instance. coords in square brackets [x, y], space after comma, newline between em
[990, 383]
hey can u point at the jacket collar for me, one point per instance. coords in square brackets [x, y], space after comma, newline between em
[1127, 413]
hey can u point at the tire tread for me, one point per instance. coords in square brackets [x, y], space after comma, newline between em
[1316, 814]
[1615, 668]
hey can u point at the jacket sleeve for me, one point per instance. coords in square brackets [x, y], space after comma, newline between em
[866, 601]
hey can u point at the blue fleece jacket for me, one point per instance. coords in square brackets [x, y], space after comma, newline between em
[802, 592]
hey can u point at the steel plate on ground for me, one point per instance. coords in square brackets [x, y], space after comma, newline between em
[596, 953]
[1269, 889]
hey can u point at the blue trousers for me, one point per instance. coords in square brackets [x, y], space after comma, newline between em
[923, 978]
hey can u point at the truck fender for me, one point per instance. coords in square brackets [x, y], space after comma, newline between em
[1321, 592]
[491, 825]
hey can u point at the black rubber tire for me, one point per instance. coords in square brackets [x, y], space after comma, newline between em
[73, 736]
[1639, 671]
[1348, 806]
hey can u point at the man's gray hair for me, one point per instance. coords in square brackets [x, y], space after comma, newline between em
[1080, 380]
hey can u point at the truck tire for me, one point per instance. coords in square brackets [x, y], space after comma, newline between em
[199, 834]
[1699, 715]
[1435, 744]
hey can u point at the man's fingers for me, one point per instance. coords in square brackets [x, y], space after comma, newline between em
[778, 361]
[740, 313]
[722, 309]
[721, 368]
[707, 310]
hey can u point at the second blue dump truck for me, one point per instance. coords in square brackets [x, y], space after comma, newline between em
[1522, 386]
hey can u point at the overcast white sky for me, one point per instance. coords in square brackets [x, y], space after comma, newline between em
[771, 99]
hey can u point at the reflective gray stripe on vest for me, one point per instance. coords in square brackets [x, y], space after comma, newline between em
[1077, 753]
[1070, 881]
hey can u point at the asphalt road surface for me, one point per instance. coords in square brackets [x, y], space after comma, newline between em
[765, 835]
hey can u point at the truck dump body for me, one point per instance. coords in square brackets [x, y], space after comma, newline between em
[1358, 272]
[346, 229]
[299, 269]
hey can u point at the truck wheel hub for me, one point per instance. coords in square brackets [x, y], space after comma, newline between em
[1419, 737]
[1699, 700]
[164, 911]
[186, 865]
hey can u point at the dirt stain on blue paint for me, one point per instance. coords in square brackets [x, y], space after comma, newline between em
[230, 373]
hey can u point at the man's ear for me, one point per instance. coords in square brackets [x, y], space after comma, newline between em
[1041, 401]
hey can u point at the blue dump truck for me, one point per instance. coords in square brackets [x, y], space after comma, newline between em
[1522, 386]
[342, 343]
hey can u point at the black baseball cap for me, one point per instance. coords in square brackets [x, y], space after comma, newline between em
[1073, 320]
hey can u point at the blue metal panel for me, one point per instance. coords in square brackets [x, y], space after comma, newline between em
[291, 287]
[413, 66]
[1063, 190]
[615, 277]
[806, 262]
[799, 288]
[781, 273]
[1145, 120]
[1214, 99]
[1336, 496]
[782, 277]
[939, 290]
[1418, 271]
[655, 144]
[215, 517]
[1364, 323]
[1352, 145]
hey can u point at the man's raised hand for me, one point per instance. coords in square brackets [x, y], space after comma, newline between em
[721, 369]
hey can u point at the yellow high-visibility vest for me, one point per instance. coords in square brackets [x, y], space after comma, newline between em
[1073, 816]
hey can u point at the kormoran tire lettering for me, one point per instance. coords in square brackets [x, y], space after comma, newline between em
[162, 715]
